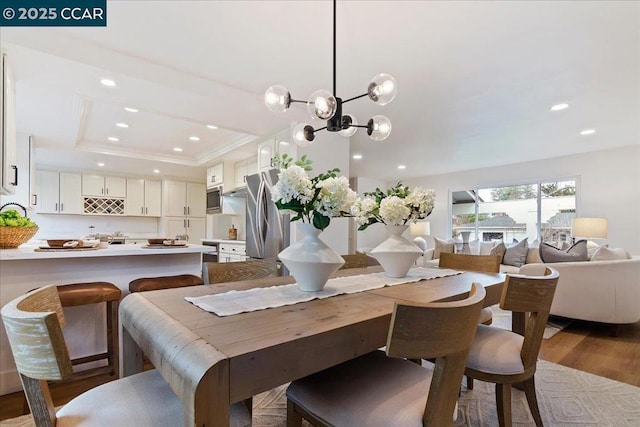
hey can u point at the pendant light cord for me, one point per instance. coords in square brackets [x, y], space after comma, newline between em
[334, 48]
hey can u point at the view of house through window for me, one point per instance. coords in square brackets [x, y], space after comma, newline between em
[541, 211]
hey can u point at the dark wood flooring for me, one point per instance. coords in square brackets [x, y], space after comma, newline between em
[582, 345]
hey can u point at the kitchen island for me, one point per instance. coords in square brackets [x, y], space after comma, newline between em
[24, 269]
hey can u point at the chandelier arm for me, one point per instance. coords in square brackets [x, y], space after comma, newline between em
[319, 129]
[355, 97]
[298, 100]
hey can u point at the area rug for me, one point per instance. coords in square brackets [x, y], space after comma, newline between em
[567, 398]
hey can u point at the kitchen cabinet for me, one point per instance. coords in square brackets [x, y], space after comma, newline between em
[8, 165]
[58, 192]
[144, 197]
[243, 168]
[278, 144]
[215, 175]
[99, 185]
[193, 228]
[184, 199]
[232, 252]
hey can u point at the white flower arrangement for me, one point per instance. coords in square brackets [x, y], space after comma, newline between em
[395, 207]
[312, 200]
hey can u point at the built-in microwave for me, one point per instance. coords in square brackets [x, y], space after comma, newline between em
[214, 200]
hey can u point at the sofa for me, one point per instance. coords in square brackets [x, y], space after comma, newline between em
[598, 291]
[532, 257]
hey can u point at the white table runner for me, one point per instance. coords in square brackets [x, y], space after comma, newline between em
[235, 302]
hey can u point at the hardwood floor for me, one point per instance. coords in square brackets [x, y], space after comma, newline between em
[582, 345]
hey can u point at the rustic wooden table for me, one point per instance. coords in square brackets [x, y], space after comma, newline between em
[211, 362]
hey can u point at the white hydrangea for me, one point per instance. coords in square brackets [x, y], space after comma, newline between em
[394, 211]
[335, 196]
[362, 209]
[293, 183]
[421, 202]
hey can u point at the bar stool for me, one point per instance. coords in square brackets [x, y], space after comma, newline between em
[164, 282]
[78, 294]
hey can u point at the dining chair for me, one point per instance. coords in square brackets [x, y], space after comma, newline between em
[357, 260]
[220, 272]
[34, 323]
[504, 357]
[387, 390]
[481, 263]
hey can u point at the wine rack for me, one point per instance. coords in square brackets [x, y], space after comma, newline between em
[103, 206]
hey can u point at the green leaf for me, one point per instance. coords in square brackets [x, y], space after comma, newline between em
[320, 221]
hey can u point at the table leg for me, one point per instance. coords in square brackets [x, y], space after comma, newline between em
[132, 362]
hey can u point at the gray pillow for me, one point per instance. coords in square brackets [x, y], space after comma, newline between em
[516, 255]
[577, 252]
[499, 250]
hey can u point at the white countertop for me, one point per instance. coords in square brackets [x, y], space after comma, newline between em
[28, 252]
[239, 242]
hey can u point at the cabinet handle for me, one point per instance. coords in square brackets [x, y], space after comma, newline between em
[244, 178]
[107, 191]
[56, 207]
[35, 199]
[146, 210]
[61, 207]
[142, 210]
[188, 223]
[188, 210]
[184, 223]
[15, 175]
[271, 162]
[184, 210]
[213, 178]
[102, 191]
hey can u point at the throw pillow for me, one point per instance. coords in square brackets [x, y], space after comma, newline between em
[516, 255]
[592, 247]
[533, 255]
[474, 247]
[605, 254]
[442, 246]
[576, 252]
[485, 248]
[499, 250]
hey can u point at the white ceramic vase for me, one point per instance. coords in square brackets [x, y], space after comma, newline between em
[396, 254]
[310, 260]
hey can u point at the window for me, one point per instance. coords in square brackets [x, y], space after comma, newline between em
[542, 211]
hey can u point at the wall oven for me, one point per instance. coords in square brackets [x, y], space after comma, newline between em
[214, 200]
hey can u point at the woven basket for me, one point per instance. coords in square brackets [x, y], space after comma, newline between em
[12, 237]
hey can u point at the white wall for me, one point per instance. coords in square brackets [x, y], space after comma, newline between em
[608, 186]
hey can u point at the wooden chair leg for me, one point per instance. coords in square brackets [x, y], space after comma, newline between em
[293, 417]
[503, 403]
[469, 383]
[530, 392]
[113, 347]
[614, 330]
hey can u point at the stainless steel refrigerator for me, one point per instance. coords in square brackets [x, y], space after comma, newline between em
[267, 229]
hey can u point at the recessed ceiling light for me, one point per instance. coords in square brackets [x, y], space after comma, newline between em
[108, 82]
[113, 139]
[131, 110]
[588, 132]
[402, 166]
[178, 149]
[100, 164]
[194, 138]
[357, 156]
[559, 107]
[156, 171]
[212, 126]
[122, 125]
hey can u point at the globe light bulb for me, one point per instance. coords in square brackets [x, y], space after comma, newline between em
[349, 124]
[303, 135]
[382, 89]
[277, 98]
[379, 128]
[322, 105]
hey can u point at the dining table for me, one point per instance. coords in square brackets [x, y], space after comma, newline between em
[212, 362]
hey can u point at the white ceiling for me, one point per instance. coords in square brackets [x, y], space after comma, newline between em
[476, 80]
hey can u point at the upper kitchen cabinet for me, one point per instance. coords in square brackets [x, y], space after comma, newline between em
[279, 144]
[215, 175]
[100, 185]
[8, 165]
[243, 168]
[144, 197]
[58, 192]
[184, 199]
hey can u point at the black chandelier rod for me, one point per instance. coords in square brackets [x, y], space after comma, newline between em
[334, 48]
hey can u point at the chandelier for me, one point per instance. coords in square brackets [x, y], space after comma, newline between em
[324, 105]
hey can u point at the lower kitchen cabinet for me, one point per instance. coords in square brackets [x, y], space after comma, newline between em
[232, 252]
[195, 228]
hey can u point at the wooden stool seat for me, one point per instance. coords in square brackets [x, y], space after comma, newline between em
[164, 282]
[77, 294]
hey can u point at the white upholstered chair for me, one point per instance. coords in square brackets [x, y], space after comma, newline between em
[34, 323]
[504, 357]
[387, 390]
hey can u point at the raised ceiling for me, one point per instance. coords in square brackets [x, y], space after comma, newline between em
[476, 81]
